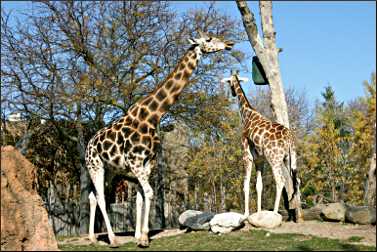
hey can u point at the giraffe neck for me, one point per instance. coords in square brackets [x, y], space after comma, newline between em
[173, 85]
[167, 91]
[245, 108]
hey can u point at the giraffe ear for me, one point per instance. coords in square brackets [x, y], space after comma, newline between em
[243, 79]
[202, 35]
[224, 80]
[193, 41]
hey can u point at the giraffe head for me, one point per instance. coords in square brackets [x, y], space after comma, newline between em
[233, 80]
[209, 44]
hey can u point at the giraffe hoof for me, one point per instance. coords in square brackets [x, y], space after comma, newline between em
[114, 243]
[92, 239]
[143, 242]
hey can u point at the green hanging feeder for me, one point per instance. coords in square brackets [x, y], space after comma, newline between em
[259, 76]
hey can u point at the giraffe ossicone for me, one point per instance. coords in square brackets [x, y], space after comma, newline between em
[263, 139]
[130, 143]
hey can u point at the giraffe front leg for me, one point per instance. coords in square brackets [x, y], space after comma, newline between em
[139, 207]
[248, 159]
[259, 187]
[148, 193]
[246, 187]
[142, 173]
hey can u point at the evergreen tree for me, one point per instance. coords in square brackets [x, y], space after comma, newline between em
[330, 144]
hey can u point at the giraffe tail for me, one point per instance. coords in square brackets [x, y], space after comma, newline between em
[293, 170]
[295, 200]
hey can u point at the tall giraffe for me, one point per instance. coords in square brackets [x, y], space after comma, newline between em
[263, 139]
[130, 143]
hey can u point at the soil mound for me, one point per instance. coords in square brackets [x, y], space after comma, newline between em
[24, 220]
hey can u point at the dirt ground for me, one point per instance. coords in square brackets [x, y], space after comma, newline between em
[330, 230]
[322, 229]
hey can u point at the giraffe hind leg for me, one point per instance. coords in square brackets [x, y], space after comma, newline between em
[142, 217]
[279, 181]
[93, 205]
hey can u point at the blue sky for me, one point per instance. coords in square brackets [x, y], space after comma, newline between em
[324, 43]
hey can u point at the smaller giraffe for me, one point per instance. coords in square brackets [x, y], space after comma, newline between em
[263, 139]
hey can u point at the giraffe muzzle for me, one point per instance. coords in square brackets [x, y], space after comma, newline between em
[229, 45]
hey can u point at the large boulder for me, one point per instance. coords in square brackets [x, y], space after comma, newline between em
[24, 220]
[266, 219]
[199, 222]
[226, 222]
[333, 211]
[361, 214]
[186, 215]
[195, 220]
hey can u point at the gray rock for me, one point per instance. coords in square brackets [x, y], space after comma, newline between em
[226, 222]
[266, 219]
[187, 214]
[333, 211]
[199, 222]
[361, 215]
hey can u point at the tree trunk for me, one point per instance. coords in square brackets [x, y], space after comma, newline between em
[85, 183]
[333, 193]
[222, 196]
[196, 197]
[371, 191]
[23, 143]
[214, 197]
[267, 52]
[159, 187]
